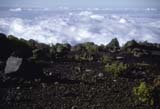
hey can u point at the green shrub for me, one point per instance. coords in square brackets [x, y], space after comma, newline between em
[102, 48]
[106, 58]
[85, 51]
[116, 68]
[83, 57]
[156, 91]
[90, 47]
[41, 54]
[144, 93]
[62, 48]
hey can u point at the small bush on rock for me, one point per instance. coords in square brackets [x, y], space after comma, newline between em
[106, 58]
[144, 93]
[116, 68]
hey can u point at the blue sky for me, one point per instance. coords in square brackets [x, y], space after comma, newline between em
[82, 3]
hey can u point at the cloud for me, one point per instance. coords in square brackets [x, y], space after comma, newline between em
[97, 17]
[81, 27]
[16, 10]
[122, 20]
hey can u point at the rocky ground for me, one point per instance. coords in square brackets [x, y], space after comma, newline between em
[76, 85]
[60, 81]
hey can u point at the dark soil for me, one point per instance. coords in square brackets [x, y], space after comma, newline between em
[72, 85]
[62, 76]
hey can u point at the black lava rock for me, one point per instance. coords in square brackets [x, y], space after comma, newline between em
[19, 67]
[5, 47]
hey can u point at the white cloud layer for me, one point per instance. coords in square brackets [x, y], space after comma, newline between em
[77, 27]
[16, 10]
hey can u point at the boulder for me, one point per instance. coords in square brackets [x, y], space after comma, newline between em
[114, 44]
[13, 46]
[19, 67]
[20, 47]
[5, 47]
[1, 79]
[2, 65]
[13, 65]
[130, 45]
[41, 54]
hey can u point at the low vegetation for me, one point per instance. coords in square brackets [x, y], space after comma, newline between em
[106, 59]
[116, 68]
[143, 92]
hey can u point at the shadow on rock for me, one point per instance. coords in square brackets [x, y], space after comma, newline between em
[21, 68]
